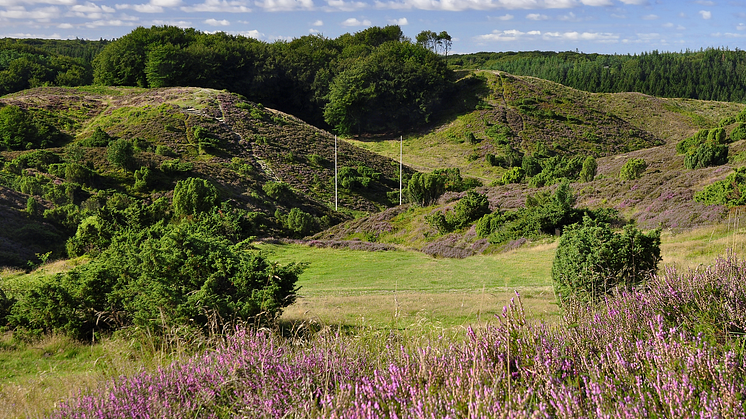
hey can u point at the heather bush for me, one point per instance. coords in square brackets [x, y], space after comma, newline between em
[633, 169]
[671, 349]
[591, 260]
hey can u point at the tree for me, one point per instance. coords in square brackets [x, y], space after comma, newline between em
[193, 196]
[591, 260]
[16, 128]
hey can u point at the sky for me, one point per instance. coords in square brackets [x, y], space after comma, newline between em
[591, 26]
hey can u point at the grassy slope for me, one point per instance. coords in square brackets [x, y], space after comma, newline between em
[255, 146]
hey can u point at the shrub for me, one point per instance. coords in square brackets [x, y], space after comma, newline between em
[633, 169]
[706, 155]
[193, 196]
[739, 132]
[99, 138]
[514, 175]
[299, 222]
[730, 191]
[120, 153]
[424, 188]
[592, 260]
[163, 150]
[531, 166]
[470, 138]
[143, 177]
[277, 190]
[470, 208]
[588, 172]
[176, 166]
[165, 275]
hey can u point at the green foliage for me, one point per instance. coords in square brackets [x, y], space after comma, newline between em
[99, 138]
[514, 175]
[556, 168]
[299, 222]
[32, 206]
[706, 155]
[468, 209]
[531, 166]
[193, 196]
[739, 132]
[143, 179]
[470, 138]
[176, 166]
[121, 153]
[205, 139]
[277, 190]
[163, 150]
[317, 160]
[163, 276]
[356, 177]
[20, 131]
[633, 169]
[730, 191]
[588, 172]
[591, 260]
[425, 188]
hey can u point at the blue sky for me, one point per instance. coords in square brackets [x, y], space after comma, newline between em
[603, 26]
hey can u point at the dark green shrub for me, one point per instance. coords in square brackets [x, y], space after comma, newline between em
[730, 191]
[495, 161]
[633, 169]
[277, 190]
[176, 166]
[706, 155]
[469, 209]
[99, 138]
[299, 222]
[739, 132]
[168, 275]
[32, 206]
[317, 160]
[77, 173]
[424, 188]
[591, 260]
[489, 223]
[143, 178]
[38, 159]
[140, 144]
[193, 196]
[470, 138]
[588, 172]
[692, 142]
[531, 166]
[717, 136]
[121, 153]
[163, 150]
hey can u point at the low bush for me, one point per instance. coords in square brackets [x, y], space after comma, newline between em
[592, 261]
[633, 169]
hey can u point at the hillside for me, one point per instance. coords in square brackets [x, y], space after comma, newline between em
[529, 114]
[177, 133]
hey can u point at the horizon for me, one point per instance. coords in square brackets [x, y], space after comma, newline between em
[589, 26]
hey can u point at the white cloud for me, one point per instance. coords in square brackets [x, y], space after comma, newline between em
[705, 3]
[536, 16]
[142, 8]
[584, 36]
[597, 2]
[344, 6]
[219, 6]
[215, 22]
[166, 3]
[318, 23]
[459, 5]
[65, 26]
[618, 16]
[354, 22]
[285, 5]
[570, 17]
[650, 17]
[250, 34]
[108, 23]
[42, 14]
[178, 23]
[507, 36]
[503, 18]
[401, 22]
[735, 35]
[635, 2]
[668, 25]
[313, 31]
[706, 14]
[7, 3]
[740, 27]
[31, 35]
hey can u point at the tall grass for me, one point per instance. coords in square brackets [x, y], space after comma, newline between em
[672, 349]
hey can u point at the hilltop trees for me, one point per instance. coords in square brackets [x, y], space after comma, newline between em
[374, 80]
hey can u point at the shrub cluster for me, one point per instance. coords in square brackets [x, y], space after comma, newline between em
[730, 191]
[705, 148]
[468, 209]
[633, 169]
[425, 188]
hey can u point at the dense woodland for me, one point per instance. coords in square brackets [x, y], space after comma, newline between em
[711, 74]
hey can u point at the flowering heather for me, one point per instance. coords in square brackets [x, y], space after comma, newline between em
[673, 349]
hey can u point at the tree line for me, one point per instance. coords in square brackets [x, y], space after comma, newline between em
[709, 74]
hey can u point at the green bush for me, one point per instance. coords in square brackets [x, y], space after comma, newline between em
[193, 196]
[143, 178]
[591, 260]
[163, 150]
[739, 132]
[99, 138]
[121, 153]
[468, 209]
[514, 175]
[730, 191]
[176, 166]
[531, 166]
[299, 222]
[277, 190]
[706, 155]
[168, 275]
[633, 169]
[588, 172]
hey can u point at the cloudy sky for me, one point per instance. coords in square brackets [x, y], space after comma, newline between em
[604, 26]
